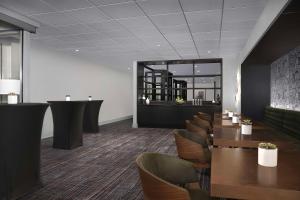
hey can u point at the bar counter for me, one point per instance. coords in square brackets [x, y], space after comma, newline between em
[171, 115]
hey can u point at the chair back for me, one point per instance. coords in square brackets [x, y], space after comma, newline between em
[191, 147]
[202, 123]
[155, 187]
[205, 116]
[195, 129]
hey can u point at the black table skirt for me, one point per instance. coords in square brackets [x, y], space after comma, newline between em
[91, 116]
[67, 121]
[20, 137]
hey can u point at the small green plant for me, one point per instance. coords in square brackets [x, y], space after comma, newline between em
[247, 122]
[267, 145]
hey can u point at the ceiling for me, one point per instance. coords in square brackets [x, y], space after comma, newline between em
[282, 37]
[117, 32]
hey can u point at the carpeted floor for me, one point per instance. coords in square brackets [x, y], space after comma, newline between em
[103, 168]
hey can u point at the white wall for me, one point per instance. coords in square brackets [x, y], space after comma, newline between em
[51, 75]
[230, 87]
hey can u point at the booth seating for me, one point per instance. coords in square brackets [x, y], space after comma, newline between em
[192, 147]
[167, 177]
[286, 121]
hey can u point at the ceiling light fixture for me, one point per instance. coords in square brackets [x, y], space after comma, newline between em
[198, 71]
[128, 68]
[76, 50]
[158, 45]
[208, 51]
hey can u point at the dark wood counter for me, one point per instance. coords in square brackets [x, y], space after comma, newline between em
[20, 137]
[170, 115]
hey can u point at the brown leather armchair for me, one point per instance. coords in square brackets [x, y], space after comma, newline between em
[165, 177]
[190, 126]
[205, 116]
[203, 124]
[192, 147]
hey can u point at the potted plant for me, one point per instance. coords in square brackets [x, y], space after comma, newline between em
[246, 127]
[179, 100]
[267, 154]
[230, 113]
[12, 98]
[235, 119]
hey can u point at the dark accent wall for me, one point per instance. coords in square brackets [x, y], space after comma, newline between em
[255, 90]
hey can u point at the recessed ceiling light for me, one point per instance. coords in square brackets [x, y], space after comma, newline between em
[76, 50]
[196, 65]
[158, 45]
[128, 68]
[208, 51]
[198, 71]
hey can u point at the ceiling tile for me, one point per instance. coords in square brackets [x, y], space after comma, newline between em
[236, 34]
[106, 26]
[198, 5]
[183, 44]
[242, 14]
[55, 19]
[238, 25]
[215, 35]
[124, 10]
[233, 42]
[180, 29]
[173, 19]
[205, 45]
[62, 5]
[118, 33]
[136, 22]
[108, 2]
[27, 7]
[75, 29]
[205, 27]
[88, 15]
[244, 3]
[213, 17]
[156, 7]
[146, 32]
[46, 31]
[178, 37]
[83, 37]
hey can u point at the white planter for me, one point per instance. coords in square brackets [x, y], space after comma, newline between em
[246, 129]
[235, 119]
[147, 101]
[68, 98]
[267, 157]
[12, 99]
[230, 114]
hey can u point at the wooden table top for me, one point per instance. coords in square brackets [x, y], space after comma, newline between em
[225, 121]
[232, 137]
[236, 174]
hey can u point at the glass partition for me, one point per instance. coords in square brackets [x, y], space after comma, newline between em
[10, 59]
[187, 79]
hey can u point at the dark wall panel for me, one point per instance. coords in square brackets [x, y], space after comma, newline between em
[255, 88]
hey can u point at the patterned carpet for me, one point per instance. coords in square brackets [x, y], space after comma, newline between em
[103, 168]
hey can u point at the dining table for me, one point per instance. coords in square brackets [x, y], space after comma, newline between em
[235, 174]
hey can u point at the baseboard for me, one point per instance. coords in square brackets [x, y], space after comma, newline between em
[115, 120]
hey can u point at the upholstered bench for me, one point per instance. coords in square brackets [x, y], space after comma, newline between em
[286, 121]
